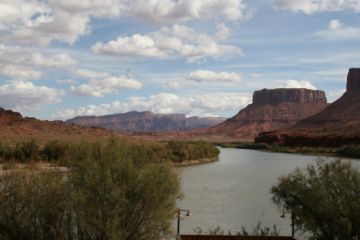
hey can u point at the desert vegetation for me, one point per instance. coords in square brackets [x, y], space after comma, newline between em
[109, 194]
[62, 151]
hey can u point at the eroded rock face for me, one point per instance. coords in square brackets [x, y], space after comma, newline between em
[4, 112]
[146, 122]
[9, 116]
[353, 80]
[337, 124]
[272, 109]
[284, 95]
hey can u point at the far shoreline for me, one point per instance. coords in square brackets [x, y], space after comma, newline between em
[304, 150]
[189, 163]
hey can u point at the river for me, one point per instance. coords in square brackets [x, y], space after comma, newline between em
[235, 191]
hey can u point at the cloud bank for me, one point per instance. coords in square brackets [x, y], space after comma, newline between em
[200, 105]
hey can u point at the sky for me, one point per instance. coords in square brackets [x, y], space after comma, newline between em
[64, 58]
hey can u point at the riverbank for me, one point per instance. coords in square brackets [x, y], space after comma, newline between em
[196, 162]
[47, 167]
[314, 151]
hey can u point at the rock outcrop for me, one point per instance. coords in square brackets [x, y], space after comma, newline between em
[353, 80]
[9, 116]
[15, 127]
[337, 124]
[146, 122]
[271, 109]
[288, 95]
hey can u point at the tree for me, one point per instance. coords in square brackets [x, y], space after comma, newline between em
[106, 196]
[325, 199]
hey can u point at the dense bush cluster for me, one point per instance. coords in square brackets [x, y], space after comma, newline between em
[175, 151]
[349, 151]
[324, 198]
[105, 196]
[255, 146]
[31, 150]
[183, 151]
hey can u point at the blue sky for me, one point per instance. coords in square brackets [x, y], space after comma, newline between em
[60, 59]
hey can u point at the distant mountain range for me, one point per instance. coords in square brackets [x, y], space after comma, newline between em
[146, 122]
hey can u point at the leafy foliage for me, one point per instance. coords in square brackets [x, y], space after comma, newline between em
[175, 151]
[106, 196]
[349, 151]
[182, 151]
[325, 199]
[54, 150]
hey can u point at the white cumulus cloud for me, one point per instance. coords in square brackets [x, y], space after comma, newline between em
[101, 87]
[25, 96]
[195, 105]
[94, 8]
[20, 63]
[178, 40]
[297, 84]
[214, 77]
[38, 22]
[22, 56]
[175, 11]
[315, 6]
[19, 72]
[59, 60]
[63, 26]
[18, 13]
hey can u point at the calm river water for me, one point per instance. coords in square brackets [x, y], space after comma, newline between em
[235, 191]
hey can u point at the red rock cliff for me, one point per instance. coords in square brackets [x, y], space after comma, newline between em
[271, 109]
[337, 124]
[288, 95]
[353, 80]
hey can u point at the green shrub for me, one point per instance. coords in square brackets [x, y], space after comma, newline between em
[181, 150]
[54, 150]
[27, 151]
[106, 196]
[255, 146]
[324, 198]
[175, 151]
[6, 152]
[349, 151]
